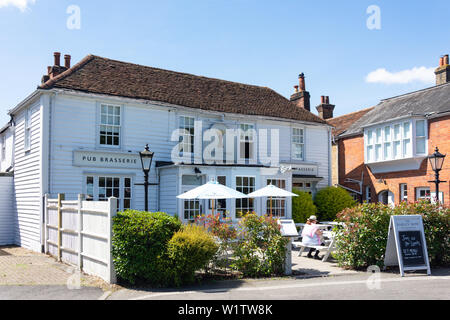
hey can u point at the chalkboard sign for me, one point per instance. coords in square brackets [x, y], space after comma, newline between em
[406, 245]
[412, 248]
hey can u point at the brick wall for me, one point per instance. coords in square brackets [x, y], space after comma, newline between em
[351, 165]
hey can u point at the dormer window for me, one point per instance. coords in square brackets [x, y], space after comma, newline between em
[403, 140]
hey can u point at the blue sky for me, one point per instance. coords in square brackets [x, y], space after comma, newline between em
[265, 43]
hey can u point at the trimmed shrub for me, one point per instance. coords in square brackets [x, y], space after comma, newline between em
[190, 250]
[261, 249]
[140, 245]
[332, 200]
[436, 223]
[363, 242]
[302, 206]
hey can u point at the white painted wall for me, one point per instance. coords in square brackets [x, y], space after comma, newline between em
[6, 210]
[6, 161]
[27, 180]
[75, 125]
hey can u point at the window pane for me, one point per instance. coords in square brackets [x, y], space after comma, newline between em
[397, 149]
[407, 148]
[370, 137]
[397, 135]
[379, 135]
[378, 152]
[387, 134]
[420, 128]
[420, 147]
[387, 151]
[406, 130]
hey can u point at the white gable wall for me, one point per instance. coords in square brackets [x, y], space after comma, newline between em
[27, 180]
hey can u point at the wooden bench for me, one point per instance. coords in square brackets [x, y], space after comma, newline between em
[328, 249]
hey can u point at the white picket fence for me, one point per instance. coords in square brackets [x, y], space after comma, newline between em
[79, 233]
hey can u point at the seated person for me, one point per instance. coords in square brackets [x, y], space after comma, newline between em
[312, 236]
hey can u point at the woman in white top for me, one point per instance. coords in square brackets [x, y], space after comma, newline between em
[311, 235]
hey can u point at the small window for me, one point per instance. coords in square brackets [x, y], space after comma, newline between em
[102, 188]
[246, 141]
[245, 185]
[403, 192]
[298, 144]
[27, 142]
[423, 194]
[187, 124]
[110, 125]
[191, 210]
[278, 204]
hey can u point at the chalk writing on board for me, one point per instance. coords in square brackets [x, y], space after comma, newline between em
[412, 248]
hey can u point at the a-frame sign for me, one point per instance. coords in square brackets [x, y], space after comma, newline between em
[407, 246]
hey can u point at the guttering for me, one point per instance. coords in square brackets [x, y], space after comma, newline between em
[434, 115]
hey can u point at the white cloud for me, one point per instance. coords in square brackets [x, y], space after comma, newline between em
[21, 4]
[419, 74]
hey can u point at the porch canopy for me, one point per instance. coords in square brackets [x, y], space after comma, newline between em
[271, 192]
[212, 191]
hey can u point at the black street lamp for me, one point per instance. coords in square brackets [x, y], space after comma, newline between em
[146, 161]
[437, 161]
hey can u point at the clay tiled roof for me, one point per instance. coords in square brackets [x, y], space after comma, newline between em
[342, 123]
[104, 76]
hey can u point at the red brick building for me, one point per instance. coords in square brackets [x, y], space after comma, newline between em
[382, 152]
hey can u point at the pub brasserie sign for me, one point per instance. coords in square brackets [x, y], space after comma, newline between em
[106, 160]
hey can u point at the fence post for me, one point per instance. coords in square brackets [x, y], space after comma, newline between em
[61, 198]
[46, 224]
[112, 211]
[80, 230]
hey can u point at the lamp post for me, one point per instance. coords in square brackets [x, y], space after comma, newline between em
[437, 161]
[146, 161]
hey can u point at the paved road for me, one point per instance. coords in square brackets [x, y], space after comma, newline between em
[49, 293]
[346, 287]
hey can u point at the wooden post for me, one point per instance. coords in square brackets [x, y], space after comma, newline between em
[80, 230]
[112, 211]
[61, 198]
[46, 223]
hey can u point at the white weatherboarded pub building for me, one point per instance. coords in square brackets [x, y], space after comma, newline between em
[81, 132]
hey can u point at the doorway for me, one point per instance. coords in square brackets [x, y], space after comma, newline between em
[386, 197]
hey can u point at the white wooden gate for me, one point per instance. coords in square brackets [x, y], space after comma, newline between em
[79, 233]
[7, 223]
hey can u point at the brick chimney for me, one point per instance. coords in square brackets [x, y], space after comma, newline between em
[443, 72]
[57, 68]
[326, 109]
[301, 97]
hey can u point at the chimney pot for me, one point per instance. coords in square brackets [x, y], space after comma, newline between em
[302, 83]
[296, 89]
[67, 61]
[57, 56]
[327, 100]
[443, 71]
[322, 99]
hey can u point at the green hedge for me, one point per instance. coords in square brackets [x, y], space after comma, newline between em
[363, 242]
[332, 200]
[140, 246]
[189, 250]
[302, 206]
